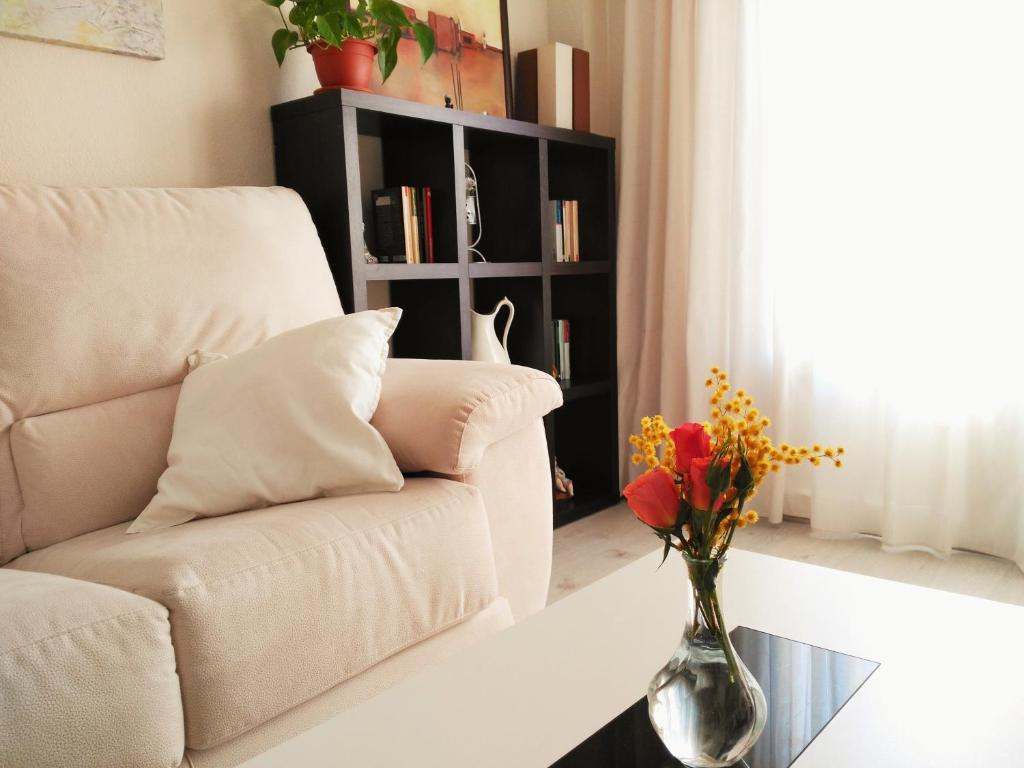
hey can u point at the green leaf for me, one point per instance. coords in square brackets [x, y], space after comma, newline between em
[350, 26]
[274, 3]
[298, 15]
[425, 37]
[282, 40]
[387, 59]
[388, 12]
[701, 523]
[664, 555]
[717, 477]
[744, 480]
[329, 28]
[339, 7]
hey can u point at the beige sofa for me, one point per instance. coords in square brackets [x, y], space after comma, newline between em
[209, 642]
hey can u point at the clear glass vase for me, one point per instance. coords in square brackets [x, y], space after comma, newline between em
[704, 704]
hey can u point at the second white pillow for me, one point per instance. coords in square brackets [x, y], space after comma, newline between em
[285, 421]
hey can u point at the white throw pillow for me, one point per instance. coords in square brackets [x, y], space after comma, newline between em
[285, 421]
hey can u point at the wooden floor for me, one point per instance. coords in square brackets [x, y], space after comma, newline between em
[596, 546]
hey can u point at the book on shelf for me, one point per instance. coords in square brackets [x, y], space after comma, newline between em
[403, 223]
[553, 86]
[566, 217]
[563, 359]
[428, 207]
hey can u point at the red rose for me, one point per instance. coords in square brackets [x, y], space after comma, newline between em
[654, 499]
[691, 442]
[700, 493]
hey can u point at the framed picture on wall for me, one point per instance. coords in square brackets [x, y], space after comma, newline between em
[472, 63]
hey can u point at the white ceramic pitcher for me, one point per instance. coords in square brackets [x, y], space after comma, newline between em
[485, 344]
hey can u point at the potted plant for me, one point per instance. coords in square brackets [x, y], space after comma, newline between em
[344, 40]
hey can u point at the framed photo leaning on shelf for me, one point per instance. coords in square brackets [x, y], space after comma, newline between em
[471, 64]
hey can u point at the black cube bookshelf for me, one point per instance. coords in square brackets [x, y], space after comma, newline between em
[333, 148]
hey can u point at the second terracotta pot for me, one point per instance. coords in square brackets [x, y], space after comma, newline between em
[350, 66]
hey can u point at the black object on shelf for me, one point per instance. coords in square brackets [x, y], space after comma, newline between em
[388, 225]
[321, 144]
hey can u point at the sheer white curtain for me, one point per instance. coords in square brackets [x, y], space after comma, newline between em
[893, 234]
[688, 275]
[834, 210]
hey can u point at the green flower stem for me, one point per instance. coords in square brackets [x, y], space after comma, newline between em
[723, 637]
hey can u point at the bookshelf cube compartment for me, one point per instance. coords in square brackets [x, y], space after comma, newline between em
[583, 300]
[583, 173]
[336, 147]
[396, 151]
[508, 175]
[430, 325]
[585, 446]
[526, 336]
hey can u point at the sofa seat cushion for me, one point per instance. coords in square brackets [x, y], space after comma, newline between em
[271, 607]
[87, 676]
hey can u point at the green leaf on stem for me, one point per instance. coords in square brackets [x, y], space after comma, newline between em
[744, 480]
[425, 38]
[300, 15]
[282, 40]
[389, 12]
[668, 548]
[329, 28]
[350, 26]
[387, 59]
[274, 3]
[339, 7]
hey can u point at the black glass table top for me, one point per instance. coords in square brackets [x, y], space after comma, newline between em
[804, 686]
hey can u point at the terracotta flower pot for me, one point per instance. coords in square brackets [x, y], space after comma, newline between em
[350, 66]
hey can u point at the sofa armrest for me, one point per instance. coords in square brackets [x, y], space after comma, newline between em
[442, 415]
[87, 676]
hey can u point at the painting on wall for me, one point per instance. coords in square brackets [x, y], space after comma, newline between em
[132, 27]
[471, 65]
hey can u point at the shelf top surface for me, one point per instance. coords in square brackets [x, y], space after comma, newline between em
[341, 97]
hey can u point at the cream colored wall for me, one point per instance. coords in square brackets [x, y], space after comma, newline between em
[75, 117]
[200, 117]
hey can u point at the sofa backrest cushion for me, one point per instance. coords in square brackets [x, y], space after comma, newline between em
[103, 294]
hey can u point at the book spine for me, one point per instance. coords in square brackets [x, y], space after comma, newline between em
[526, 85]
[554, 85]
[565, 231]
[556, 333]
[575, 230]
[420, 255]
[568, 230]
[580, 90]
[556, 214]
[429, 211]
[421, 229]
[414, 226]
[406, 220]
[566, 360]
[566, 356]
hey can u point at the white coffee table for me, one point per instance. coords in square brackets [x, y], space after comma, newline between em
[949, 692]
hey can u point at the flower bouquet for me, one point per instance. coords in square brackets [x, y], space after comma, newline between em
[705, 704]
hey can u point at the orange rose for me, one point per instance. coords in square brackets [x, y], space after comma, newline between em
[654, 499]
[700, 492]
[691, 442]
